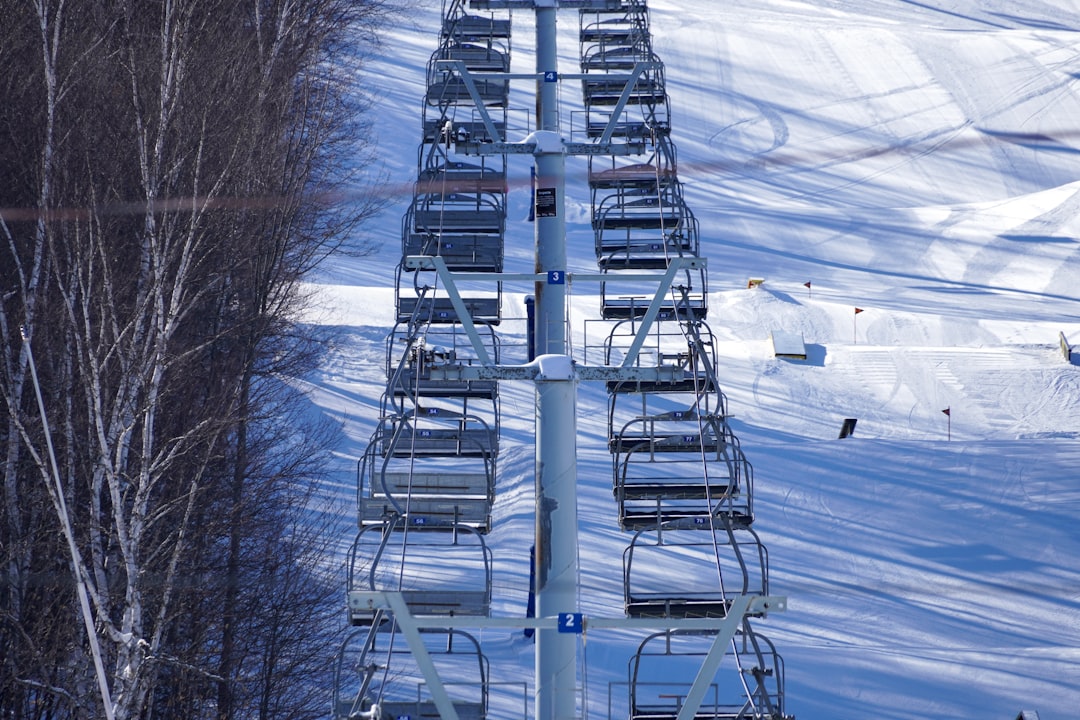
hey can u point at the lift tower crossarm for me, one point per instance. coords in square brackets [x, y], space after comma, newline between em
[449, 280]
[530, 4]
[373, 600]
[410, 625]
[569, 148]
[498, 145]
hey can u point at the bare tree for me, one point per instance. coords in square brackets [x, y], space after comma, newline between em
[170, 160]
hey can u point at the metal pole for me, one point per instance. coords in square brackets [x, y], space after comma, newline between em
[550, 245]
[550, 198]
[556, 535]
[547, 60]
[556, 417]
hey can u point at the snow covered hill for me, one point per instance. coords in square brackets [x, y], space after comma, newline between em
[920, 163]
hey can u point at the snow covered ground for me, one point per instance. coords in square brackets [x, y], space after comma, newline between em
[919, 161]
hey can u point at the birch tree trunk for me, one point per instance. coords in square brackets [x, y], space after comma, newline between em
[153, 243]
[39, 96]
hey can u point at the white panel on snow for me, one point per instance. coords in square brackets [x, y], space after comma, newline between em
[788, 345]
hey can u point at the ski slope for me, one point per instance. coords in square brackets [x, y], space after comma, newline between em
[919, 163]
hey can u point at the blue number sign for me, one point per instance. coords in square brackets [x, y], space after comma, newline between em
[571, 623]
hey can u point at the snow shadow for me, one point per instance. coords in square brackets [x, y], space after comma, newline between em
[815, 356]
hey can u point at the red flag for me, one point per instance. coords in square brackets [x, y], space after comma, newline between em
[858, 310]
[947, 411]
[806, 284]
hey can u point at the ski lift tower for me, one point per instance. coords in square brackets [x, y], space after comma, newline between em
[556, 423]
[555, 373]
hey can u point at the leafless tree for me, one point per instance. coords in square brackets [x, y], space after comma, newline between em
[167, 164]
